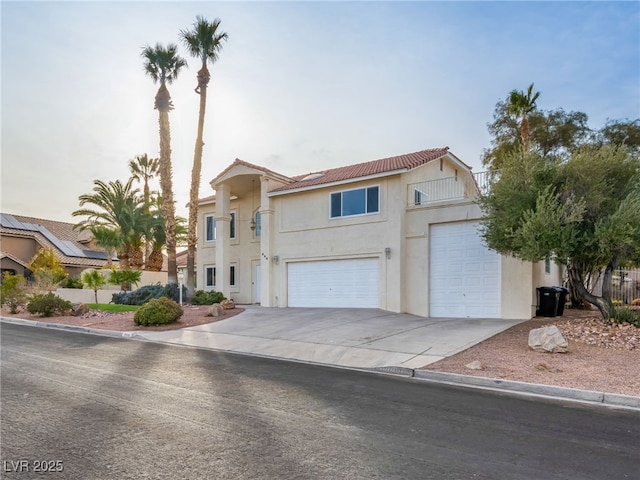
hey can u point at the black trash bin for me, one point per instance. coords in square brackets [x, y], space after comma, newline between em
[547, 302]
[562, 299]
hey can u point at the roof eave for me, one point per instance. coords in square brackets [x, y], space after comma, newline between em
[337, 183]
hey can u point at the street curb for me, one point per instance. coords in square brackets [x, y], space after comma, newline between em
[601, 398]
[70, 328]
[510, 386]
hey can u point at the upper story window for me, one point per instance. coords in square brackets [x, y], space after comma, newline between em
[355, 202]
[210, 227]
[420, 197]
[258, 230]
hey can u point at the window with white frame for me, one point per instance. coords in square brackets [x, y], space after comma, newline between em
[258, 219]
[355, 202]
[210, 227]
[420, 197]
[210, 276]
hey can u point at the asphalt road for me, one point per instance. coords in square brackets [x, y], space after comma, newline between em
[99, 407]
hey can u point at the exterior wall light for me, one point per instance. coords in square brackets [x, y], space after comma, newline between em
[276, 259]
[387, 252]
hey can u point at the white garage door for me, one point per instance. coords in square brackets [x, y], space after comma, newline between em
[334, 283]
[465, 276]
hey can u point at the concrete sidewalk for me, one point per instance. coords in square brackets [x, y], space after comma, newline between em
[361, 338]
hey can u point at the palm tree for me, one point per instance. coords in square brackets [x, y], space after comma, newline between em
[94, 280]
[163, 65]
[203, 42]
[144, 169]
[120, 209]
[521, 104]
[108, 239]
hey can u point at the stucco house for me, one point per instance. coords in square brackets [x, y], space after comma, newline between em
[20, 238]
[399, 233]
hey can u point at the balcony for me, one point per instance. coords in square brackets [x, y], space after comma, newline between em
[446, 189]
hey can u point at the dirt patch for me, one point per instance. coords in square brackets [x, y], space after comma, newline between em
[123, 322]
[600, 357]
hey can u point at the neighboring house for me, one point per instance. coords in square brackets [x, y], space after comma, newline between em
[20, 238]
[400, 234]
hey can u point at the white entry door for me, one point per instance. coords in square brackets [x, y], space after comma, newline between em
[334, 283]
[465, 276]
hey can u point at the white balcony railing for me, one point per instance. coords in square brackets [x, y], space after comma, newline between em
[450, 188]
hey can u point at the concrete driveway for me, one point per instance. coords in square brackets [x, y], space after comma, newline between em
[361, 338]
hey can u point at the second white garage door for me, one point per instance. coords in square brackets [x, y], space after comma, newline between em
[334, 283]
[465, 276]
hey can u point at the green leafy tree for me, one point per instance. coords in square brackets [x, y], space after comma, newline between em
[94, 280]
[120, 210]
[163, 64]
[47, 269]
[584, 212]
[204, 42]
[12, 292]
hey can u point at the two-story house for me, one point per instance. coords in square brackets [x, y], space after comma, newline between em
[399, 233]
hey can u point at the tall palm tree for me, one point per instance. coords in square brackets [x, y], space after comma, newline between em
[203, 42]
[163, 66]
[119, 208]
[522, 104]
[143, 169]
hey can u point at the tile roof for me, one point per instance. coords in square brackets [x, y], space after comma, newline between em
[57, 235]
[237, 162]
[407, 161]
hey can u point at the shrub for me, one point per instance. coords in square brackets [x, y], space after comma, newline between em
[172, 291]
[12, 293]
[72, 282]
[48, 304]
[200, 297]
[616, 303]
[143, 294]
[636, 302]
[138, 297]
[158, 311]
[626, 315]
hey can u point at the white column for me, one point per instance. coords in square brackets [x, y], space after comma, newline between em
[223, 229]
[267, 265]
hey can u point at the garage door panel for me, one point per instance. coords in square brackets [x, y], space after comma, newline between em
[465, 276]
[352, 283]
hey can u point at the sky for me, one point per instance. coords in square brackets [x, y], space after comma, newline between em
[299, 86]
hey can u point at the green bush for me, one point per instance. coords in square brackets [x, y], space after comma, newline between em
[72, 282]
[158, 311]
[143, 294]
[48, 304]
[626, 315]
[12, 293]
[200, 297]
[138, 297]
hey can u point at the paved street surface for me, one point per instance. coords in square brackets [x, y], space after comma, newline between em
[101, 407]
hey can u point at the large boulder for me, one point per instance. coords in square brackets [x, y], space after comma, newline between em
[215, 310]
[79, 309]
[228, 304]
[547, 340]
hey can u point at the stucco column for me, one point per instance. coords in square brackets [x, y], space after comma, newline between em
[223, 229]
[267, 265]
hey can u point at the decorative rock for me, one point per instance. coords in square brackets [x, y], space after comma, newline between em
[475, 365]
[79, 309]
[547, 339]
[215, 310]
[228, 304]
